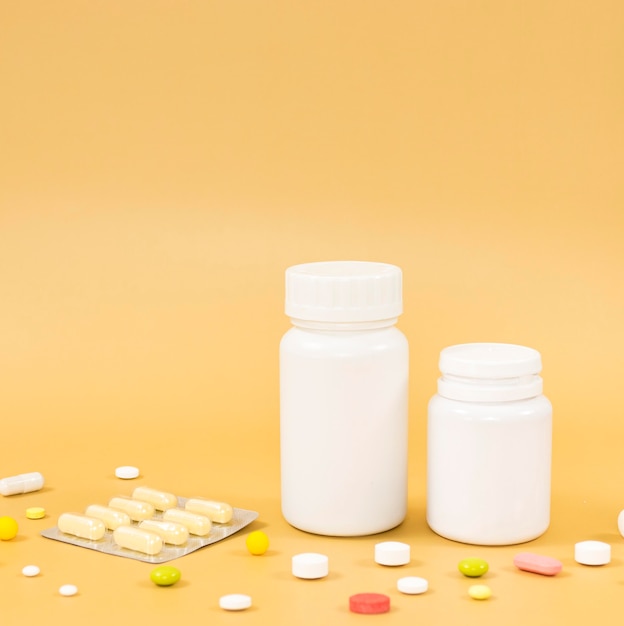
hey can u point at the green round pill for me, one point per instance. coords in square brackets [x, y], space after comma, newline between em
[165, 575]
[473, 567]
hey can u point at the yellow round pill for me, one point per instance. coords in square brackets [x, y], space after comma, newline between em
[35, 512]
[479, 592]
[257, 542]
[8, 528]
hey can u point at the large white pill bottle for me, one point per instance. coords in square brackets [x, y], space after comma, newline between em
[343, 399]
[489, 446]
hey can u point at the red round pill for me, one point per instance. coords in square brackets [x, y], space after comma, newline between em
[369, 603]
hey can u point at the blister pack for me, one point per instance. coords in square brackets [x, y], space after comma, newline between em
[100, 536]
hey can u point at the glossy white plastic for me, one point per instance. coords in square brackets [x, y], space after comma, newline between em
[489, 446]
[343, 399]
[22, 483]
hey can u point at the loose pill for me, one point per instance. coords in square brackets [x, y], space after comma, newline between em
[68, 590]
[392, 553]
[22, 483]
[479, 592]
[112, 518]
[369, 603]
[30, 571]
[137, 539]
[412, 585]
[219, 512]
[173, 533]
[165, 575]
[473, 568]
[257, 542]
[592, 553]
[199, 525]
[160, 500]
[81, 526]
[235, 602]
[35, 512]
[136, 509]
[537, 564]
[127, 472]
[310, 565]
[8, 528]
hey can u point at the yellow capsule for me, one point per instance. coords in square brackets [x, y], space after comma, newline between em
[170, 532]
[197, 524]
[219, 512]
[112, 518]
[136, 509]
[134, 538]
[161, 500]
[479, 592]
[81, 526]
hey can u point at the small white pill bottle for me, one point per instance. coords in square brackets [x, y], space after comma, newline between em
[489, 446]
[343, 399]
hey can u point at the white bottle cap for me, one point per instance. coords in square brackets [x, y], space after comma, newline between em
[23, 483]
[392, 553]
[344, 291]
[310, 565]
[491, 372]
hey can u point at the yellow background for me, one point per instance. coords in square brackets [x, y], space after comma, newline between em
[162, 163]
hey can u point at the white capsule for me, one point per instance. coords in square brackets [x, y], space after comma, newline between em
[112, 518]
[22, 483]
[137, 539]
[219, 512]
[199, 525]
[160, 500]
[136, 509]
[81, 526]
[173, 533]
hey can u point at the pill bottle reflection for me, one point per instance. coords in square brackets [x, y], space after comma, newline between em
[489, 446]
[343, 399]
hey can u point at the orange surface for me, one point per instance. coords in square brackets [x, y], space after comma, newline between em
[162, 163]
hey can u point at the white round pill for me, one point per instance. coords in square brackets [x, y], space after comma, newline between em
[412, 585]
[621, 523]
[392, 553]
[235, 602]
[68, 590]
[310, 565]
[592, 553]
[127, 472]
[30, 570]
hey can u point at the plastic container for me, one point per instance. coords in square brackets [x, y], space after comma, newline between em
[489, 446]
[343, 399]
